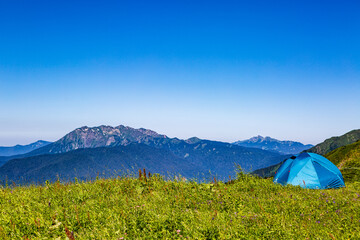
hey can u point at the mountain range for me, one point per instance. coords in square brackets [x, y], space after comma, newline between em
[85, 152]
[271, 144]
[22, 149]
[108, 151]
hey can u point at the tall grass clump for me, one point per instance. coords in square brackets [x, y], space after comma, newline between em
[152, 208]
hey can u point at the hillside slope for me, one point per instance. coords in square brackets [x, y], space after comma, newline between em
[269, 171]
[335, 142]
[347, 159]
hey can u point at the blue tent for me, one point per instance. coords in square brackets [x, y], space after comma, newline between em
[309, 170]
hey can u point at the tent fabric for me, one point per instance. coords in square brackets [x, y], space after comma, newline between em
[309, 170]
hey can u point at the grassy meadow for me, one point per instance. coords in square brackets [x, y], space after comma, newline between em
[133, 208]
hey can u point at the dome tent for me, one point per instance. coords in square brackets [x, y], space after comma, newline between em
[309, 170]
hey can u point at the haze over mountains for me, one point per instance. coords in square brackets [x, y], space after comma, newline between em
[21, 149]
[108, 149]
[271, 144]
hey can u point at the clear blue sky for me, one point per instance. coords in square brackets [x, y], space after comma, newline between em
[221, 70]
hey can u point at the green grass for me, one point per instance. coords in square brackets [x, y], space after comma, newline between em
[129, 208]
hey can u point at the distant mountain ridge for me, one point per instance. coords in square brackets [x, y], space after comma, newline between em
[335, 142]
[271, 144]
[218, 157]
[22, 149]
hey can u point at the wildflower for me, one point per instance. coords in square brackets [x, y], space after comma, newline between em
[178, 231]
[317, 221]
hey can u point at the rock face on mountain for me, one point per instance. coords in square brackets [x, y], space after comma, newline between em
[202, 156]
[103, 136]
[22, 149]
[271, 144]
[335, 142]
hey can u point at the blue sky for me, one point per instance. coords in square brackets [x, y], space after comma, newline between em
[221, 70]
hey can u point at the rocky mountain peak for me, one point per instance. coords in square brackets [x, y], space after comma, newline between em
[258, 138]
[103, 136]
[193, 140]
